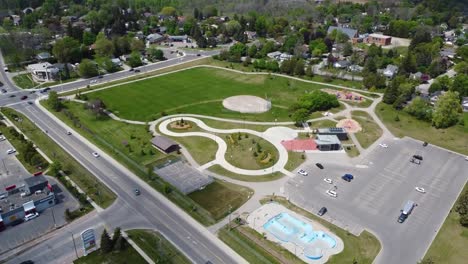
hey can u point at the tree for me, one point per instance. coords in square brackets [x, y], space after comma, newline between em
[156, 54]
[460, 85]
[107, 64]
[87, 69]
[447, 110]
[88, 38]
[135, 59]
[120, 244]
[391, 93]
[103, 46]
[252, 51]
[300, 115]
[106, 242]
[299, 68]
[65, 51]
[116, 236]
[347, 49]
[168, 11]
[54, 101]
[7, 23]
[137, 44]
[238, 49]
[419, 108]
[462, 67]
[55, 168]
[408, 64]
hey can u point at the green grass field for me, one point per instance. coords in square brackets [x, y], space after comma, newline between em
[449, 246]
[248, 178]
[295, 159]
[157, 247]
[218, 196]
[370, 130]
[170, 93]
[126, 256]
[24, 81]
[454, 138]
[201, 149]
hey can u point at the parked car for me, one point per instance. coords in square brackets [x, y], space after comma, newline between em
[383, 145]
[30, 216]
[92, 81]
[6, 69]
[415, 161]
[425, 144]
[4, 91]
[347, 177]
[198, 54]
[137, 70]
[11, 151]
[137, 192]
[328, 180]
[12, 95]
[96, 155]
[322, 211]
[320, 166]
[101, 76]
[131, 69]
[68, 133]
[302, 172]
[419, 157]
[332, 193]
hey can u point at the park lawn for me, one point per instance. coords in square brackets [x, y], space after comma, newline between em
[295, 159]
[219, 198]
[95, 189]
[351, 151]
[250, 153]
[157, 247]
[24, 81]
[454, 138]
[449, 246]
[357, 249]
[230, 125]
[370, 130]
[248, 178]
[128, 255]
[322, 123]
[134, 141]
[202, 149]
[153, 96]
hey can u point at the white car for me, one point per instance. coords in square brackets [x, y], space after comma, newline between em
[11, 151]
[302, 172]
[96, 155]
[420, 189]
[332, 193]
[30, 216]
[2, 138]
[92, 81]
[327, 180]
[383, 145]
[466, 158]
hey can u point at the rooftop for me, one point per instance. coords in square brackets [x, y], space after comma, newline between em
[45, 66]
[327, 139]
[162, 142]
[332, 130]
[348, 31]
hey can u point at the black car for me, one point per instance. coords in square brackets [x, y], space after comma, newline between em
[12, 95]
[4, 91]
[24, 97]
[100, 76]
[320, 166]
[322, 211]
[198, 55]
[131, 69]
[137, 70]
[419, 157]
[27, 262]
[137, 192]
[424, 144]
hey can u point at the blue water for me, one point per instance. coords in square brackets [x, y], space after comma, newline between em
[290, 229]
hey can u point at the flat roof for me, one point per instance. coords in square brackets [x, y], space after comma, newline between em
[35, 180]
[12, 202]
[327, 139]
[332, 130]
[379, 36]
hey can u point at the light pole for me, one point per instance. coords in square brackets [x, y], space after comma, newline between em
[74, 245]
[230, 208]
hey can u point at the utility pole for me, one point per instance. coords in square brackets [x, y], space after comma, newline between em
[230, 208]
[74, 245]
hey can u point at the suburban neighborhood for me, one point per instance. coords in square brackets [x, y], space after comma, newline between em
[203, 131]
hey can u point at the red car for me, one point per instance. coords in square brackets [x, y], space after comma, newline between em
[24, 97]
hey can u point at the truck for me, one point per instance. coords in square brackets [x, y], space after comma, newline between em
[406, 211]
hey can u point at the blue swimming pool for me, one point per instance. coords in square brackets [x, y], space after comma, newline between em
[288, 228]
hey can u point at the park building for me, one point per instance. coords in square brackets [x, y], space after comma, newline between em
[337, 131]
[32, 196]
[328, 142]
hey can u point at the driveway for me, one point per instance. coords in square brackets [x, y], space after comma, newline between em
[384, 181]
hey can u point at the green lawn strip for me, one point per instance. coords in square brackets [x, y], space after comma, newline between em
[370, 130]
[109, 143]
[245, 247]
[229, 125]
[322, 124]
[24, 81]
[248, 178]
[200, 84]
[32, 165]
[449, 246]
[140, 76]
[295, 159]
[201, 149]
[128, 255]
[351, 151]
[219, 196]
[249, 152]
[357, 249]
[157, 247]
[96, 190]
[454, 138]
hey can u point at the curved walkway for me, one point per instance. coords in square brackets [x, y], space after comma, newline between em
[222, 146]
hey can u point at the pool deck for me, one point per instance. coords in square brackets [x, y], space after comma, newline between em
[258, 218]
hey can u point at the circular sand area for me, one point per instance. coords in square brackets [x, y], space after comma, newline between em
[247, 104]
[351, 125]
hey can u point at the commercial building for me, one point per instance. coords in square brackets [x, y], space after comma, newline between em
[337, 131]
[328, 142]
[378, 39]
[34, 195]
[43, 72]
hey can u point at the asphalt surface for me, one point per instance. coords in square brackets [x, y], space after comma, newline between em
[384, 181]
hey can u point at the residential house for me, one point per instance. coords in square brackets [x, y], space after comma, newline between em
[355, 68]
[285, 56]
[154, 38]
[274, 55]
[447, 53]
[350, 32]
[161, 30]
[116, 62]
[342, 64]
[434, 97]
[465, 104]
[43, 72]
[43, 56]
[390, 71]
[16, 19]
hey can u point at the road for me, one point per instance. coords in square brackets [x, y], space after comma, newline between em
[149, 210]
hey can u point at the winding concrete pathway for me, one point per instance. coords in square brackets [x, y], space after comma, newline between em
[222, 146]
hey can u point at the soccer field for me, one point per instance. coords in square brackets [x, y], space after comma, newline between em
[201, 91]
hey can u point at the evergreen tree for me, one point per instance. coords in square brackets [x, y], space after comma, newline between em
[116, 236]
[106, 242]
[391, 93]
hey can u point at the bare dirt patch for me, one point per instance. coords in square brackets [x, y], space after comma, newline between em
[351, 125]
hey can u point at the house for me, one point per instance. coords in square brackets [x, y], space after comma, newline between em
[165, 144]
[465, 104]
[328, 142]
[43, 72]
[434, 97]
[285, 56]
[116, 61]
[390, 71]
[378, 39]
[161, 30]
[251, 35]
[154, 38]
[355, 68]
[274, 55]
[447, 53]
[16, 19]
[342, 64]
[181, 38]
[43, 56]
[351, 33]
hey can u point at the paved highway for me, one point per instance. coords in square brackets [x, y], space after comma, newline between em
[149, 210]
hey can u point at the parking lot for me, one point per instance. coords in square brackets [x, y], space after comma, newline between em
[383, 182]
[11, 171]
